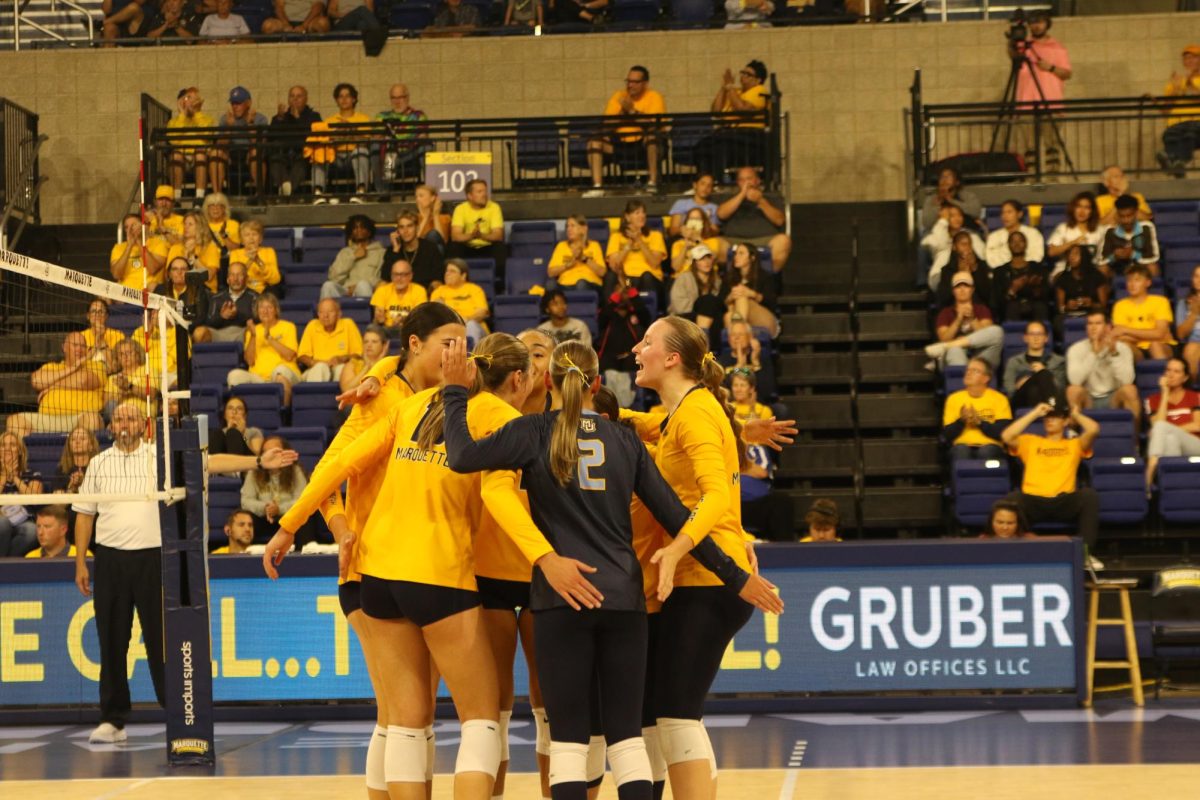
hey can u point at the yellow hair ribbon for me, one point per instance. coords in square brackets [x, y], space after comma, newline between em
[570, 366]
[486, 358]
[709, 357]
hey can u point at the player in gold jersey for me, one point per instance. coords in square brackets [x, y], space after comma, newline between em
[699, 453]
[424, 334]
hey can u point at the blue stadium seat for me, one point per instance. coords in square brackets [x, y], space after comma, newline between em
[319, 255]
[542, 230]
[304, 282]
[44, 451]
[483, 272]
[952, 378]
[598, 231]
[650, 301]
[224, 497]
[522, 273]
[124, 317]
[309, 442]
[687, 133]
[1179, 489]
[976, 484]
[207, 400]
[264, 404]
[411, 15]
[625, 12]
[353, 308]
[1117, 437]
[540, 250]
[1148, 371]
[283, 240]
[212, 361]
[1074, 329]
[1121, 485]
[297, 312]
[314, 405]
[514, 313]
[537, 149]
[585, 306]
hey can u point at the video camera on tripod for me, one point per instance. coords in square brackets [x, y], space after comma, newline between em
[1018, 28]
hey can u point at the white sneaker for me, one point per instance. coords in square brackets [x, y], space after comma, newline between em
[285, 189]
[1094, 564]
[935, 350]
[595, 191]
[107, 733]
[320, 199]
[356, 200]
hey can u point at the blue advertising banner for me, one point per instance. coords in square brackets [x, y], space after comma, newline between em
[871, 617]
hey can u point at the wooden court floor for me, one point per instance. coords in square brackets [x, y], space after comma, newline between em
[1128, 782]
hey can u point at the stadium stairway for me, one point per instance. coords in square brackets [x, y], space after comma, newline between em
[68, 23]
[867, 413]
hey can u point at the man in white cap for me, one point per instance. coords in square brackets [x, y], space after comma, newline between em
[965, 329]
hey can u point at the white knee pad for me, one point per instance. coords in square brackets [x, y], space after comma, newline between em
[712, 755]
[595, 760]
[430, 752]
[404, 755]
[682, 740]
[629, 761]
[376, 778]
[658, 765]
[568, 762]
[505, 718]
[479, 747]
[542, 723]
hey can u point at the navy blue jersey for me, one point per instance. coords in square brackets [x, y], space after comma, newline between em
[588, 519]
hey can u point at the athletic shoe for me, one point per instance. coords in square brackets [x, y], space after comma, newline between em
[652, 188]
[320, 199]
[357, 200]
[935, 350]
[595, 191]
[285, 189]
[107, 733]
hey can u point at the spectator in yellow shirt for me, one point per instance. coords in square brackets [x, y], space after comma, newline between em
[52, 526]
[737, 142]
[629, 140]
[1116, 184]
[125, 259]
[70, 393]
[822, 520]
[101, 339]
[154, 356]
[1049, 492]
[262, 263]
[1183, 131]
[393, 301]
[578, 262]
[975, 416]
[270, 349]
[1143, 320]
[467, 298]
[162, 219]
[349, 151]
[189, 150]
[637, 252]
[198, 247]
[328, 343]
[226, 232]
[477, 226]
[239, 530]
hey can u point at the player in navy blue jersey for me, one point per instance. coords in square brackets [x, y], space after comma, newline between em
[581, 472]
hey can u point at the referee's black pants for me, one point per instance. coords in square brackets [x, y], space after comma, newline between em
[126, 580]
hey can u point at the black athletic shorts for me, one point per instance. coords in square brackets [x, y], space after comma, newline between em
[420, 603]
[350, 596]
[502, 595]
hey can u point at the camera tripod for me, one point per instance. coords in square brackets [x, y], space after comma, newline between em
[1011, 111]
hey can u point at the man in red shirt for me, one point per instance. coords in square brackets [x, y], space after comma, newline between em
[965, 329]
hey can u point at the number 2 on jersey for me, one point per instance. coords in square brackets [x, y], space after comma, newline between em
[591, 456]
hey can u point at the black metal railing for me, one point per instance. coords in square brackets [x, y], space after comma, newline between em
[20, 176]
[542, 153]
[1076, 138]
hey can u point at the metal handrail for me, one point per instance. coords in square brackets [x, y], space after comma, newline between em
[19, 18]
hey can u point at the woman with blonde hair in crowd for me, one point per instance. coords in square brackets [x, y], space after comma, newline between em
[78, 451]
[262, 263]
[432, 224]
[18, 531]
[577, 263]
[198, 248]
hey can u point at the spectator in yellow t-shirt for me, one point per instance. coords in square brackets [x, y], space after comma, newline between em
[270, 349]
[329, 341]
[1183, 131]
[52, 527]
[70, 393]
[162, 219]
[976, 415]
[637, 252]
[748, 94]
[1143, 320]
[822, 520]
[101, 339]
[125, 259]
[1116, 184]
[629, 140]
[350, 151]
[477, 226]
[467, 298]
[197, 246]
[696, 229]
[154, 358]
[239, 530]
[577, 263]
[1049, 492]
[226, 231]
[394, 301]
[189, 150]
[262, 264]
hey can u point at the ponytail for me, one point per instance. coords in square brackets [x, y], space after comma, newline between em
[496, 357]
[573, 368]
[713, 378]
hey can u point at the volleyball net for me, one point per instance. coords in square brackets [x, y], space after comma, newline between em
[93, 378]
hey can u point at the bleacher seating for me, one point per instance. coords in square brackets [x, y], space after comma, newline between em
[520, 274]
[1148, 371]
[584, 306]
[514, 313]
[264, 404]
[309, 442]
[1179, 498]
[314, 405]
[1117, 438]
[1121, 486]
[207, 400]
[482, 271]
[976, 484]
[212, 361]
[224, 496]
[354, 308]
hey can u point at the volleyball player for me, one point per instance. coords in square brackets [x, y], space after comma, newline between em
[698, 451]
[418, 591]
[581, 472]
[418, 367]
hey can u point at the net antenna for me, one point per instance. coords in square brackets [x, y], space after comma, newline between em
[47, 313]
